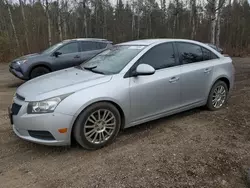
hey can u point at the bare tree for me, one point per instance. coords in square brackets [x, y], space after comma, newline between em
[59, 21]
[193, 18]
[215, 6]
[13, 27]
[85, 17]
[25, 25]
[221, 3]
[49, 22]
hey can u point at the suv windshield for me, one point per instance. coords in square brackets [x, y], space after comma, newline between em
[53, 47]
[113, 60]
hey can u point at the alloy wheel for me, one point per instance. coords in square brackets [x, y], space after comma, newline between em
[99, 126]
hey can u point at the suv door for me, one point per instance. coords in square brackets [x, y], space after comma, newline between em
[196, 72]
[158, 93]
[69, 56]
[90, 48]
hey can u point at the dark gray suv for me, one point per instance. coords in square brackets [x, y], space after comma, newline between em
[65, 54]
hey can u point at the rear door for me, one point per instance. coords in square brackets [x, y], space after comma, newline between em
[196, 72]
[90, 48]
[70, 56]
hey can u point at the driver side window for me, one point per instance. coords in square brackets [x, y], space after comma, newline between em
[69, 48]
[160, 57]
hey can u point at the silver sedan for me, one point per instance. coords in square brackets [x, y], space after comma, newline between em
[129, 84]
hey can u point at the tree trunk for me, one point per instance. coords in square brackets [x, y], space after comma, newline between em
[65, 9]
[59, 22]
[59, 27]
[25, 26]
[13, 27]
[213, 25]
[218, 29]
[133, 24]
[49, 23]
[133, 19]
[105, 23]
[193, 18]
[85, 18]
[65, 28]
[138, 25]
[213, 21]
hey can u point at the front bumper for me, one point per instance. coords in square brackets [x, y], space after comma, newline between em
[17, 74]
[24, 124]
[17, 71]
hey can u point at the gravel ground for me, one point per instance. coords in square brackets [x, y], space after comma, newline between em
[197, 148]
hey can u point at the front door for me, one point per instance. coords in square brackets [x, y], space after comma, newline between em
[69, 56]
[155, 94]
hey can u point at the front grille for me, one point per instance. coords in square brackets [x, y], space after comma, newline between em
[20, 97]
[15, 108]
[43, 135]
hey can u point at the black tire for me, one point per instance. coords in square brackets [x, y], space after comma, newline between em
[38, 71]
[210, 105]
[82, 119]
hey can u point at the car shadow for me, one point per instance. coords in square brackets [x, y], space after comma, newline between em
[156, 123]
[15, 84]
[122, 137]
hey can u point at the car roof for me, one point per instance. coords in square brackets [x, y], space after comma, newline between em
[147, 42]
[88, 39]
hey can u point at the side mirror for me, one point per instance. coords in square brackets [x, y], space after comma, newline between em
[56, 54]
[143, 70]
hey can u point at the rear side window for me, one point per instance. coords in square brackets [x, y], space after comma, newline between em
[69, 48]
[189, 53]
[91, 45]
[101, 45]
[160, 56]
[208, 55]
[88, 46]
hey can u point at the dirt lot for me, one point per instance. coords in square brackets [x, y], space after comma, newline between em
[197, 148]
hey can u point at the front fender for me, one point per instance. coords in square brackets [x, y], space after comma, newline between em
[75, 103]
[37, 64]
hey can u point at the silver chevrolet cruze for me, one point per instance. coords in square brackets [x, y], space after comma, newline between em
[129, 84]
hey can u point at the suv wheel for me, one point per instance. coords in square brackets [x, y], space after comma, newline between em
[97, 126]
[218, 96]
[39, 71]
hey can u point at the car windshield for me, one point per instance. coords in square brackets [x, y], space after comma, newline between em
[113, 60]
[52, 48]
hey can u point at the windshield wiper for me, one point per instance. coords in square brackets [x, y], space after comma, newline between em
[78, 67]
[92, 70]
[89, 68]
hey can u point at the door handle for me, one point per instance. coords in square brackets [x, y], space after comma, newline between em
[173, 79]
[77, 56]
[207, 70]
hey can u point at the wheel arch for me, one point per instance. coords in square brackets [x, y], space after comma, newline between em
[221, 78]
[45, 65]
[224, 79]
[121, 112]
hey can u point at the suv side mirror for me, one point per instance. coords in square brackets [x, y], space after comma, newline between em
[143, 70]
[56, 54]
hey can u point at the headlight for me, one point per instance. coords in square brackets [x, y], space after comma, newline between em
[21, 61]
[45, 106]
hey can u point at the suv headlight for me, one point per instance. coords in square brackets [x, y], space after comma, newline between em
[21, 61]
[45, 106]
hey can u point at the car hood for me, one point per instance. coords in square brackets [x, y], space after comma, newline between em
[59, 83]
[27, 56]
